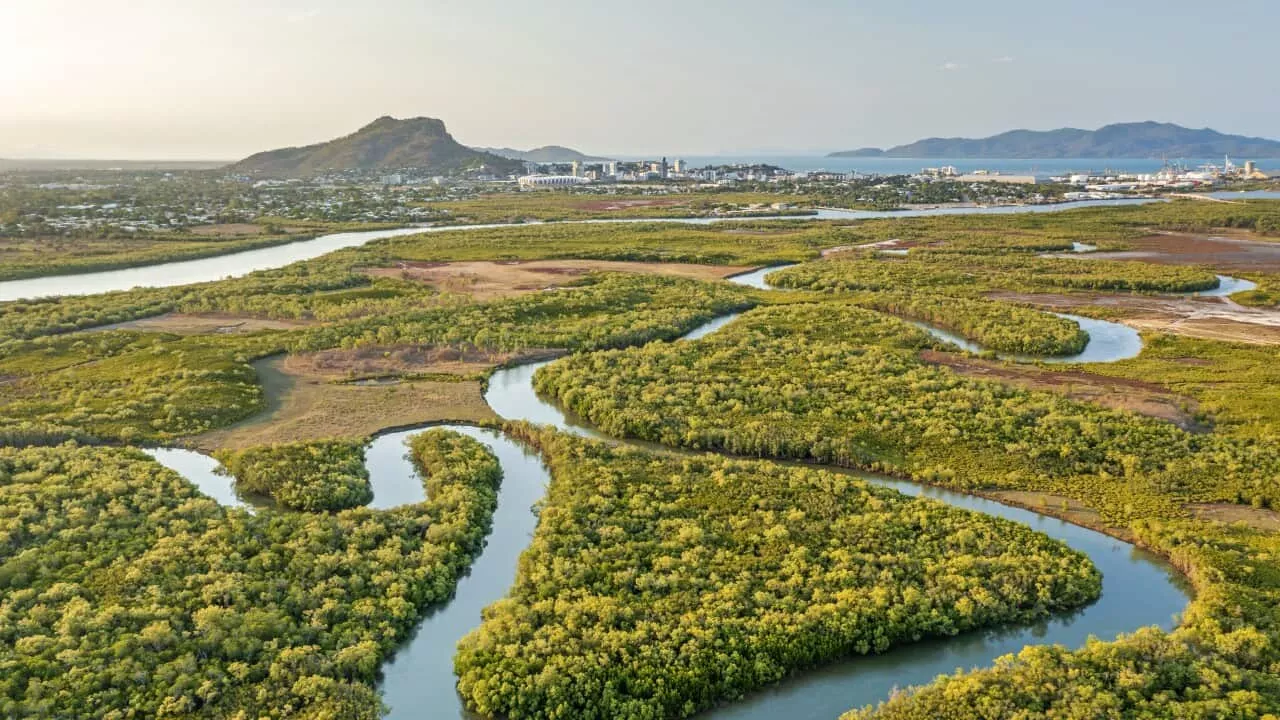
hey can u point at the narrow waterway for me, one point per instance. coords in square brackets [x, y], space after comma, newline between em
[1227, 285]
[824, 693]
[1139, 589]
[186, 272]
[418, 681]
[204, 472]
[1108, 342]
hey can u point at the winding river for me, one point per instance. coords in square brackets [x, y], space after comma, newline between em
[1108, 341]
[824, 693]
[1227, 285]
[186, 272]
[419, 681]
[1139, 589]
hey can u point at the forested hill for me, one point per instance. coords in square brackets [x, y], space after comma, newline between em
[386, 143]
[544, 154]
[1124, 140]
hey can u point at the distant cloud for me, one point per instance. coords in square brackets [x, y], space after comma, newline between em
[951, 65]
[303, 16]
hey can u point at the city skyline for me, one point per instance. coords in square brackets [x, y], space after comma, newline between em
[82, 80]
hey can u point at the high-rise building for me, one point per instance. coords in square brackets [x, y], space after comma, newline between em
[663, 171]
[613, 168]
[577, 168]
[679, 166]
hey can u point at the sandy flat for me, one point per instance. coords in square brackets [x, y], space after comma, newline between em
[1209, 318]
[1134, 396]
[486, 279]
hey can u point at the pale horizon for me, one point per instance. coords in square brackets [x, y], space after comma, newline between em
[217, 81]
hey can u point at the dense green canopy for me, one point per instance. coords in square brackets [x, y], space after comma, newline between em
[125, 593]
[656, 586]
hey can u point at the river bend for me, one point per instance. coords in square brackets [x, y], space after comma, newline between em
[1139, 589]
[237, 264]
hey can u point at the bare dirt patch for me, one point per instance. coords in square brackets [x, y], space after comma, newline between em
[894, 245]
[1049, 503]
[235, 230]
[1134, 396]
[302, 408]
[203, 324]
[1226, 252]
[1210, 318]
[1260, 518]
[601, 205]
[486, 279]
[1210, 329]
[404, 360]
[752, 232]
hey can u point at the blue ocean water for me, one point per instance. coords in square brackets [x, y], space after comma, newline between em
[901, 166]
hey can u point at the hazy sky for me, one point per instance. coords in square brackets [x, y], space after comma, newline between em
[223, 78]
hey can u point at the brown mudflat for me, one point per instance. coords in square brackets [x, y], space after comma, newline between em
[235, 230]
[1225, 252]
[486, 279]
[402, 360]
[1259, 518]
[1209, 318]
[1049, 503]
[602, 205]
[302, 407]
[1134, 396]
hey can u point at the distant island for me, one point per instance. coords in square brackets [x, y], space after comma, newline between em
[544, 154]
[1122, 140]
[385, 144]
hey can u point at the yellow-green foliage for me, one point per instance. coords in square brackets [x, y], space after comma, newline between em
[1262, 216]
[975, 273]
[1015, 232]
[569, 205]
[656, 586]
[460, 477]
[604, 310]
[1109, 228]
[736, 243]
[1237, 385]
[335, 290]
[113, 569]
[1222, 662]
[83, 253]
[815, 384]
[311, 476]
[998, 326]
[1266, 295]
[784, 382]
[132, 386]
[135, 386]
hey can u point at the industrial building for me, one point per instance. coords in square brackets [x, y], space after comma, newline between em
[536, 181]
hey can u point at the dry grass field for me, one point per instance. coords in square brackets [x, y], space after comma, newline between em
[487, 280]
[302, 407]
